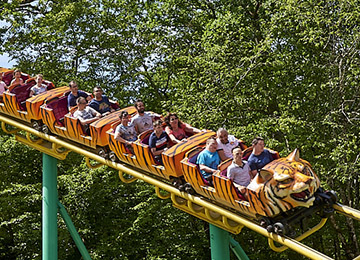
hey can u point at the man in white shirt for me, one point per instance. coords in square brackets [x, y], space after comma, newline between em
[239, 170]
[142, 121]
[226, 143]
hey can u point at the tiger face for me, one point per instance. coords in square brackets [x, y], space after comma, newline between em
[293, 180]
[285, 183]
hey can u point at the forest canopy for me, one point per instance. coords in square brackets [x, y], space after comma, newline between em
[284, 70]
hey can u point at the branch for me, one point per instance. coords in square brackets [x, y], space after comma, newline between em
[340, 235]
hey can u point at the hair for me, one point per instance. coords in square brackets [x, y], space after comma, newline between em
[157, 123]
[123, 114]
[97, 87]
[221, 129]
[167, 119]
[17, 70]
[256, 140]
[80, 99]
[210, 139]
[137, 102]
[72, 83]
[39, 76]
[236, 147]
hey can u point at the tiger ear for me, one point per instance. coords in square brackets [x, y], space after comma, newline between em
[294, 156]
[264, 175]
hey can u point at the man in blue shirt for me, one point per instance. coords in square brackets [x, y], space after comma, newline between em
[209, 159]
[100, 102]
[259, 157]
[75, 94]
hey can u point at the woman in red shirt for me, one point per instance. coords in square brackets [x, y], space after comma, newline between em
[177, 130]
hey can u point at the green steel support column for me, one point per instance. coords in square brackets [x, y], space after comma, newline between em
[73, 232]
[49, 209]
[237, 249]
[219, 243]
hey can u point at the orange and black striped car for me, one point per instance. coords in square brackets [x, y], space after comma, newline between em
[281, 186]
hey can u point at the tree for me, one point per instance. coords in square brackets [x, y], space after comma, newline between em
[286, 70]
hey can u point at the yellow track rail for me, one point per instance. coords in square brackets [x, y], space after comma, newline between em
[194, 205]
[347, 211]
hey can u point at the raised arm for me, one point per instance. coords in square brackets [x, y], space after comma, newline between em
[191, 129]
[171, 136]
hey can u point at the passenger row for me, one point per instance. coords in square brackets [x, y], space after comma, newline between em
[22, 83]
[237, 162]
[242, 167]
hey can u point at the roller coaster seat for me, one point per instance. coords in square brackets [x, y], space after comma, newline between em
[144, 140]
[7, 77]
[223, 167]
[114, 105]
[223, 172]
[247, 152]
[48, 84]
[238, 193]
[60, 109]
[113, 128]
[193, 155]
[275, 154]
[145, 136]
[242, 145]
[114, 125]
[85, 129]
[21, 93]
[25, 77]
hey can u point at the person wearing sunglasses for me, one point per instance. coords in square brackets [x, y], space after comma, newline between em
[177, 130]
[100, 102]
[75, 93]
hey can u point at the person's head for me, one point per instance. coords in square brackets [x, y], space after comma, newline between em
[237, 153]
[73, 86]
[81, 102]
[223, 135]
[211, 144]
[258, 144]
[172, 120]
[97, 91]
[124, 116]
[17, 73]
[39, 79]
[158, 126]
[140, 107]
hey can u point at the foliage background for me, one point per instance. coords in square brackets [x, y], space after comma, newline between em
[285, 70]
